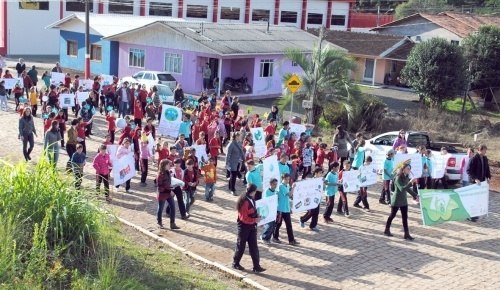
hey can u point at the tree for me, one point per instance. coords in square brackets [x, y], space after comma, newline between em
[436, 70]
[421, 6]
[482, 51]
[326, 76]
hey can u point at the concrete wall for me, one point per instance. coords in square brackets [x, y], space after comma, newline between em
[272, 85]
[109, 63]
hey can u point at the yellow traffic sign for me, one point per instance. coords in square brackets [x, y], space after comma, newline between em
[294, 83]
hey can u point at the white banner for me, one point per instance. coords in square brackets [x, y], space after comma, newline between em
[123, 169]
[86, 84]
[66, 100]
[151, 144]
[11, 83]
[259, 142]
[438, 166]
[270, 170]
[415, 161]
[267, 208]
[106, 80]
[307, 194]
[367, 175]
[170, 121]
[56, 78]
[297, 129]
[112, 149]
[378, 159]
[81, 97]
[350, 180]
[201, 153]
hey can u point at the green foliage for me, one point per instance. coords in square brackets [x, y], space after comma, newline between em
[436, 70]
[421, 6]
[482, 51]
[455, 105]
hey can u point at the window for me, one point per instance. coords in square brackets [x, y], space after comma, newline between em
[338, 20]
[455, 42]
[76, 6]
[121, 7]
[148, 76]
[136, 57]
[260, 15]
[160, 9]
[266, 68]
[197, 11]
[34, 5]
[230, 13]
[415, 140]
[288, 17]
[173, 63]
[71, 48]
[385, 140]
[314, 18]
[95, 52]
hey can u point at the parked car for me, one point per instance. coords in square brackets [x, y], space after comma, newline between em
[151, 78]
[384, 142]
[166, 94]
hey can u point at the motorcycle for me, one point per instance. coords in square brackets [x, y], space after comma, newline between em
[237, 85]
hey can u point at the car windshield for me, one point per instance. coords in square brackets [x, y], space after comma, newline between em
[164, 91]
[166, 78]
[138, 75]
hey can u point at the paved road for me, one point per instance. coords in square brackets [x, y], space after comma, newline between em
[351, 253]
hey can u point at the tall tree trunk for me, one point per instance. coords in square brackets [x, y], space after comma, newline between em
[317, 112]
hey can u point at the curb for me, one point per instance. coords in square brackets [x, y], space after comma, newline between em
[196, 257]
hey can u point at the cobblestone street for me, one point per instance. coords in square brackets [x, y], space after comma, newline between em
[351, 253]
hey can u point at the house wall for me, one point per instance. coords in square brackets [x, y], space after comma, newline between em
[109, 63]
[317, 6]
[420, 27]
[383, 67]
[341, 8]
[272, 85]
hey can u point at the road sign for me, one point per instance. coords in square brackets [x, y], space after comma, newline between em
[294, 83]
[307, 104]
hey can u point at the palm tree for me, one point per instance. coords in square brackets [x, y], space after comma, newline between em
[325, 78]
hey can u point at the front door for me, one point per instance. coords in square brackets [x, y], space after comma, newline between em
[369, 66]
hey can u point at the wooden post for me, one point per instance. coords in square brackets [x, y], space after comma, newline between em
[494, 99]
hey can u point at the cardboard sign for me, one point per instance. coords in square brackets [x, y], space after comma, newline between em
[267, 208]
[307, 194]
[66, 100]
[56, 78]
[259, 142]
[170, 121]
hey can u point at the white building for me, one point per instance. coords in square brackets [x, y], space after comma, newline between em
[22, 24]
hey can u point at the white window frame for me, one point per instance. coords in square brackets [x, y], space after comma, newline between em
[263, 62]
[172, 58]
[134, 64]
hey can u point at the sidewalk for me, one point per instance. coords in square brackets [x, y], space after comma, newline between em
[351, 253]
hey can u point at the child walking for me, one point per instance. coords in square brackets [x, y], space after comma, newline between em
[190, 181]
[342, 207]
[312, 213]
[363, 193]
[385, 196]
[269, 227]
[78, 163]
[284, 194]
[210, 176]
[102, 166]
[145, 154]
[331, 188]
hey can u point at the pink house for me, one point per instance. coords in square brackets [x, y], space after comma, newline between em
[184, 49]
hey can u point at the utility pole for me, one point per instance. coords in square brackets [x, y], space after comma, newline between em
[87, 39]
[316, 72]
[466, 93]
[378, 14]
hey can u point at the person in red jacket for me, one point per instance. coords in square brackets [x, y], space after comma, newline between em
[27, 82]
[214, 146]
[111, 119]
[102, 166]
[150, 128]
[143, 97]
[62, 125]
[247, 230]
[126, 132]
[67, 81]
[321, 155]
[80, 129]
[138, 113]
[191, 180]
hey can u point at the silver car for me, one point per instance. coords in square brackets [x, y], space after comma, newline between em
[151, 78]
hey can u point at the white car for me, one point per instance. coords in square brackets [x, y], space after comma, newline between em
[384, 142]
[151, 78]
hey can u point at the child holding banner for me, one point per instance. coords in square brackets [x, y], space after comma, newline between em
[331, 188]
[284, 194]
[254, 176]
[312, 213]
[385, 196]
[363, 191]
[165, 194]
[210, 177]
[102, 166]
[269, 227]
[342, 207]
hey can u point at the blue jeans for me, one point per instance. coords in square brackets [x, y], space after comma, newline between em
[123, 109]
[268, 231]
[170, 208]
[189, 197]
[209, 190]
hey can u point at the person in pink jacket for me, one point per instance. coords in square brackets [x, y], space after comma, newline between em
[102, 166]
[144, 156]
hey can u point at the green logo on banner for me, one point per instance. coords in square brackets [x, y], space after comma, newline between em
[258, 135]
[171, 114]
[440, 206]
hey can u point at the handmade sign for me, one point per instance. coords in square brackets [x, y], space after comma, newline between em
[66, 100]
[259, 142]
[415, 160]
[201, 153]
[270, 170]
[350, 180]
[267, 208]
[438, 168]
[443, 205]
[111, 149]
[307, 194]
[56, 78]
[81, 97]
[106, 80]
[297, 129]
[170, 121]
[11, 83]
[378, 159]
[86, 84]
[367, 175]
[123, 169]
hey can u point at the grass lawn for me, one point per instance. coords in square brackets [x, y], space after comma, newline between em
[455, 106]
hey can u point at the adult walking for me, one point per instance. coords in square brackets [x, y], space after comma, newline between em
[20, 67]
[178, 95]
[403, 185]
[235, 107]
[247, 230]
[51, 142]
[479, 169]
[165, 194]
[400, 140]
[124, 97]
[340, 139]
[273, 115]
[57, 68]
[234, 156]
[33, 74]
[27, 132]
[207, 75]
[72, 140]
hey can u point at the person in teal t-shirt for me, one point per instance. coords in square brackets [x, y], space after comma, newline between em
[283, 133]
[359, 156]
[269, 227]
[331, 188]
[284, 193]
[254, 176]
[283, 165]
[312, 213]
[385, 196]
[185, 128]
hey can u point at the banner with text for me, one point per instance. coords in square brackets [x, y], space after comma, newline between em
[170, 121]
[267, 208]
[66, 100]
[123, 169]
[443, 205]
[307, 194]
[350, 180]
[259, 142]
